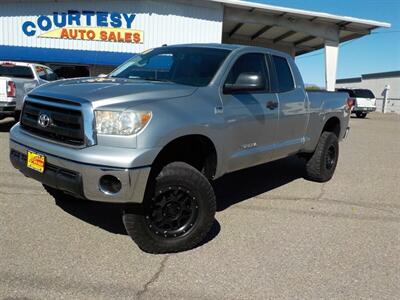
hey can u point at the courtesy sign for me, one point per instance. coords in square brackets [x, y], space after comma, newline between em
[85, 25]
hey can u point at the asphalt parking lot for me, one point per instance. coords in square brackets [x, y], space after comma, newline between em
[276, 236]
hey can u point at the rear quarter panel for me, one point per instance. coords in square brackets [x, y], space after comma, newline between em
[322, 107]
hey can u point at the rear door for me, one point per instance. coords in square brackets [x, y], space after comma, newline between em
[292, 107]
[251, 126]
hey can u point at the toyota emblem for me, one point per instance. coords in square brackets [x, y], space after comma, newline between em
[44, 120]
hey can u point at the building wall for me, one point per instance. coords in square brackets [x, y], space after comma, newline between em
[377, 86]
[161, 22]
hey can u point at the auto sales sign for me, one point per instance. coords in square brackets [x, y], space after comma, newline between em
[85, 25]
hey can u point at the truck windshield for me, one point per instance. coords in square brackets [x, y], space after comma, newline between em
[361, 93]
[10, 70]
[193, 66]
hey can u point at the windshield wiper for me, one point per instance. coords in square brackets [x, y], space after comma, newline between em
[157, 79]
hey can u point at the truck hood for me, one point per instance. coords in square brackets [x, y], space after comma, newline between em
[109, 91]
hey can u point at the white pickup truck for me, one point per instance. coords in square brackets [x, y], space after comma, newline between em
[363, 99]
[16, 80]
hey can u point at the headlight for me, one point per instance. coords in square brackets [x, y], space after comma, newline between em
[121, 123]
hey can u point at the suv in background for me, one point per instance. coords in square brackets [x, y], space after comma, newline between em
[364, 101]
[16, 80]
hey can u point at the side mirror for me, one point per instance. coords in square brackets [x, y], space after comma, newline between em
[246, 82]
[102, 75]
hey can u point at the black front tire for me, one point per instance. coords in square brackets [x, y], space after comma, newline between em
[177, 213]
[322, 164]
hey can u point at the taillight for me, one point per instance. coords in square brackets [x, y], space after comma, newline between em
[350, 102]
[11, 90]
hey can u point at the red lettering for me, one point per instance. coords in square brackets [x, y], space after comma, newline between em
[73, 33]
[82, 33]
[112, 37]
[128, 37]
[91, 34]
[103, 35]
[136, 37]
[64, 33]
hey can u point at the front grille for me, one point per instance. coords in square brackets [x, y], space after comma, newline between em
[65, 125]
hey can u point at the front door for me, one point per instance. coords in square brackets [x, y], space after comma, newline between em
[250, 125]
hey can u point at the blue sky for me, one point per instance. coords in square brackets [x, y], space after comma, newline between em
[378, 52]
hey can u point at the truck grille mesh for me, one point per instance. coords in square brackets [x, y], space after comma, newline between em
[64, 126]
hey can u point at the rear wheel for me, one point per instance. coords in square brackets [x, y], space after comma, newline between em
[177, 213]
[361, 115]
[322, 164]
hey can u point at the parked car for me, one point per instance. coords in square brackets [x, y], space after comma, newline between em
[153, 138]
[16, 80]
[364, 101]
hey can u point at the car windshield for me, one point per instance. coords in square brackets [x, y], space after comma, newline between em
[193, 66]
[361, 93]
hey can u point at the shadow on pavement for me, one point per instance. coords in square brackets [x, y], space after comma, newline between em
[6, 124]
[244, 184]
[104, 215]
[108, 216]
[230, 189]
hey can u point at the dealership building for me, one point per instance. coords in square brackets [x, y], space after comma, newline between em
[82, 38]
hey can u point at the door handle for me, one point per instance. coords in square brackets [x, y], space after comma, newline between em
[271, 105]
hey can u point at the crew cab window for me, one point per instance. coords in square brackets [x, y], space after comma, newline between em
[283, 74]
[249, 63]
[11, 70]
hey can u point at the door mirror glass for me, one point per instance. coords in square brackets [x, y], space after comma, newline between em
[248, 73]
[246, 82]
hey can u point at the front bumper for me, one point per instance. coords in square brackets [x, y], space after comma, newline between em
[78, 171]
[83, 180]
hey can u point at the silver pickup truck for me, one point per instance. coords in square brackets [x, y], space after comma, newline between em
[156, 131]
[16, 80]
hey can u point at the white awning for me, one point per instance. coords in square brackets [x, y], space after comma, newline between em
[291, 30]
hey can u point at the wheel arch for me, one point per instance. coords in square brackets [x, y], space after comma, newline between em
[332, 125]
[197, 150]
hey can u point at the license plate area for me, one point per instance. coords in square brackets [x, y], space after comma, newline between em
[35, 161]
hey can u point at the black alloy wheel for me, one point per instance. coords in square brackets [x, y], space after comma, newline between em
[177, 213]
[172, 212]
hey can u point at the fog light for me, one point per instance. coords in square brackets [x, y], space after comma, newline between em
[109, 184]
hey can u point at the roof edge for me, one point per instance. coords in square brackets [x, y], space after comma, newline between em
[377, 75]
[249, 4]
